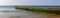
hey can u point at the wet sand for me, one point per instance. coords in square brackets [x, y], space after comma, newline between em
[25, 14]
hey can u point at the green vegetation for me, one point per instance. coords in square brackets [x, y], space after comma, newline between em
[34, 9]
[38, 10]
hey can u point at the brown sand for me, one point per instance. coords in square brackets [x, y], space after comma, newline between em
[53, 16]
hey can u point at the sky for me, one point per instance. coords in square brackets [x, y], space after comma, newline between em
[29, 2]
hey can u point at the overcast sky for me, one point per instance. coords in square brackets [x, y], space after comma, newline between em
[29, 2]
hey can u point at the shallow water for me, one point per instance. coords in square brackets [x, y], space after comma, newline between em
[20, 14]
[15, 13]
[12, 13]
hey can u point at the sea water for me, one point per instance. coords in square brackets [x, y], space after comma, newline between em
[12, 13]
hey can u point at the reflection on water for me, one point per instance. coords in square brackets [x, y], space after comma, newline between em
[6, 14]
[12, 13]
[19, 14]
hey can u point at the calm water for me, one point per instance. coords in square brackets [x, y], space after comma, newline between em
[44, 6]
[12, 13]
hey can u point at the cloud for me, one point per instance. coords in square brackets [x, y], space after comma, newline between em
[29, 2]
